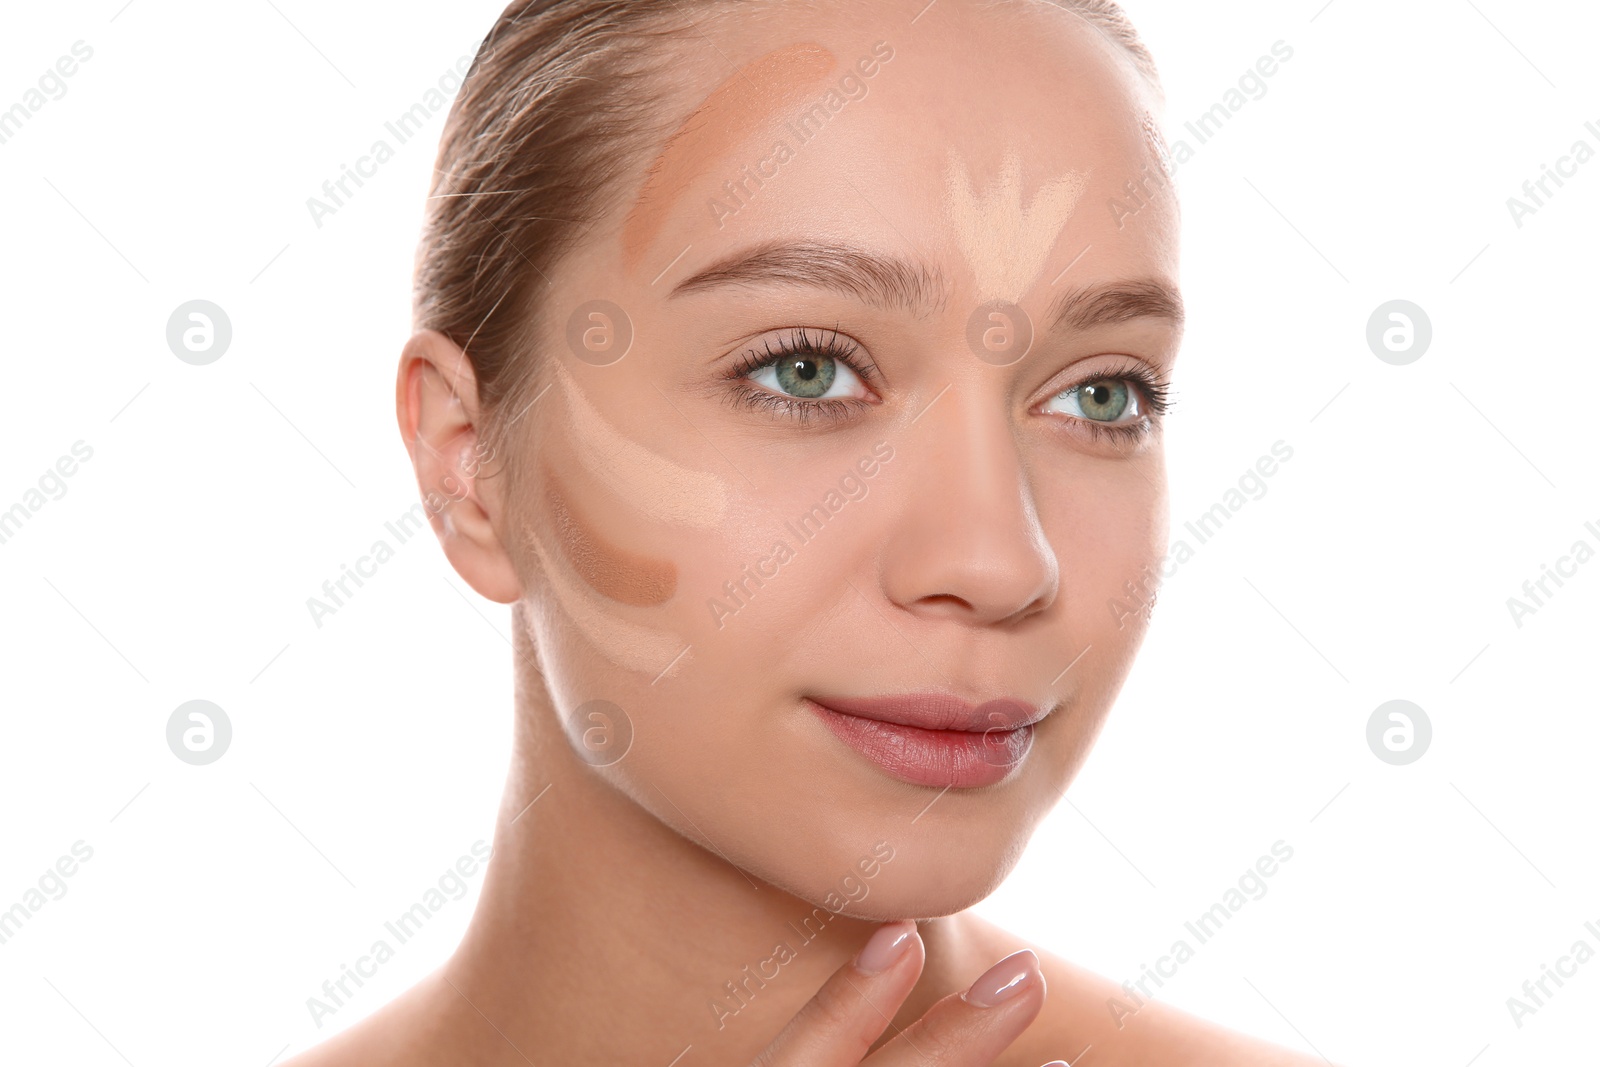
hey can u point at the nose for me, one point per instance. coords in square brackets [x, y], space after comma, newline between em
[968, 545]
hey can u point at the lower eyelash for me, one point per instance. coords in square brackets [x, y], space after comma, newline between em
[1123, 434]
[753, 396]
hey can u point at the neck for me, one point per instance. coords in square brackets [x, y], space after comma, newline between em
[603, 936]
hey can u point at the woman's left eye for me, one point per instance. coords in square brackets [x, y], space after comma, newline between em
[1105, 400]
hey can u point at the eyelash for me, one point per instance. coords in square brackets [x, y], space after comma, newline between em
[797, 342]
[1155, 395]
[1154, 392]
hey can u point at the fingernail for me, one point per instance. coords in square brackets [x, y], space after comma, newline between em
[1004, 980]
[884, 947]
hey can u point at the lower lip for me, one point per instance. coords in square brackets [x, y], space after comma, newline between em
[959, 759]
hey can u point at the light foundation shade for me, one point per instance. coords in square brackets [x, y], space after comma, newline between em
[623, 576]
[648, 651]
[753, 95]
[649, 482]
[1004, 241]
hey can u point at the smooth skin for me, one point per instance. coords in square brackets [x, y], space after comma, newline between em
[623, 899]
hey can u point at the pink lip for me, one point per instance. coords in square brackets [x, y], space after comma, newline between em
[934, 739]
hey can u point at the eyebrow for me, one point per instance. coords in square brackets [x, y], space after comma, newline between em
[896, 284]
[882, 281]
[1114, 302]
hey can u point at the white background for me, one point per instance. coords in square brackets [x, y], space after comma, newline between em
[1377, 566]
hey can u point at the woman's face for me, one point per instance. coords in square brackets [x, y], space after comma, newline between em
[943, 484]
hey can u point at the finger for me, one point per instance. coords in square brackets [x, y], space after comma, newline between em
[971, 1029]
[838, 1025]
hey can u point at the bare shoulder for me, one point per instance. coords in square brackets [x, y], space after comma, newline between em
[396, 1035]
[1083, 1009]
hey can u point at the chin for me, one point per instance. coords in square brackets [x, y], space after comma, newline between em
[930, 871]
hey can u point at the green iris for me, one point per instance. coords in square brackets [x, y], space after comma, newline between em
[805, 377]
[1103, 401]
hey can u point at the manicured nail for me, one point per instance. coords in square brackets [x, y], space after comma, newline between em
[887, 944]
[1004, 980]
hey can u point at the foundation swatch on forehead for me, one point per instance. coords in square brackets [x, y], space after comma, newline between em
[629, 646]
[1006, 242]
[750, 96]
[650, 482]
[624, 576]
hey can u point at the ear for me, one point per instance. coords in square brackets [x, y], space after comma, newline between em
[436, 403]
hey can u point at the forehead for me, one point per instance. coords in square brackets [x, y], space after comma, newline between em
[995, 133]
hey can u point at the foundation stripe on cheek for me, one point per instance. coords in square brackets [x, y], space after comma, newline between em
[1005, 243]
[651, 483]
[747, 98]
[634, 648]
[614, 572]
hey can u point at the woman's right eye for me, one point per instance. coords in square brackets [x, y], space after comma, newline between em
[805, 374]
[809, 376]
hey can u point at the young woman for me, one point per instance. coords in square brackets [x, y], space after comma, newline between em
[795, 370]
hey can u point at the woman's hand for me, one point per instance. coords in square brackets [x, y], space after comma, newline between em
[838, 1025]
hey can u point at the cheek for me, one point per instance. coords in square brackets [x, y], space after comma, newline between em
[788, 566]
[614, 572]
[1110, 538]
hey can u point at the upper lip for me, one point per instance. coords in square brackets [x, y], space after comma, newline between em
[939, 711]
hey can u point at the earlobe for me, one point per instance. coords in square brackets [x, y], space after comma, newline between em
[436, 405]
